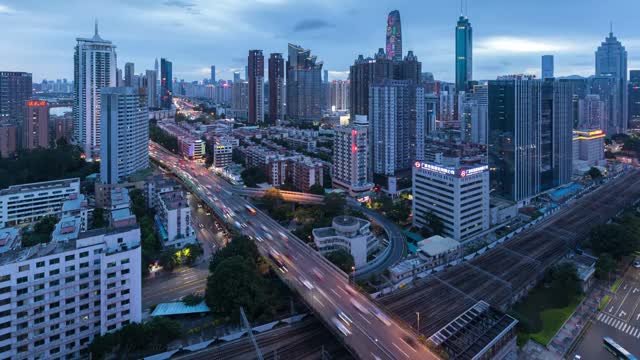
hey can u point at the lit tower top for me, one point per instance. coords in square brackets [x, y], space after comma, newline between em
[394, 36]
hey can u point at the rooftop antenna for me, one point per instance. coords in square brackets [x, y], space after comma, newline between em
[461, 7]
[466, 8]
[96, 30]
[611, 27]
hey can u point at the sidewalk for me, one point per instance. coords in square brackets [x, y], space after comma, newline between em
[561, 343]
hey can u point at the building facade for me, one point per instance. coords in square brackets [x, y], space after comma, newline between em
[304, 85]
[464, 53]
[125, 133]
[173, 220]
[394, 36]
[347, 233]
[458, 196]
[94, 69]
[547, 67]
[256, 86]
[276, 88]
[611, 60]
[15, 91]
[351, 170]
[151, 86]
[8, 140]
[166, 83]
[36, 125]
[58, 298]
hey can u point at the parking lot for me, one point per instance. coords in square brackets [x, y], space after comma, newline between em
[619, 320]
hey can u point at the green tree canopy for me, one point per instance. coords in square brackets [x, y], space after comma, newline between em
[239, 246]
[342, 259]
[253, 176]
[594, 173]
[316, 189]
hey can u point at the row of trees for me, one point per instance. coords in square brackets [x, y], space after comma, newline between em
[253, 176]
[239, 276]
[61, 162]
[163, 138]
[136, 339]
[611, 242]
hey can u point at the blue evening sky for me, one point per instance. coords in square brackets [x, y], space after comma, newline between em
[38, 36]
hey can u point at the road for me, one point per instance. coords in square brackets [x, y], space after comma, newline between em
[165, 287]
[348, 313]
[620, 321]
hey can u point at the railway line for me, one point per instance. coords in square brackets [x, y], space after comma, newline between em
[304, 340]
[503, 274]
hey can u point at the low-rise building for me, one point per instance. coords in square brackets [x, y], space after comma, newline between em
[189, 145]
[77, 205]
[158, 184]
[438, 250]
[120, 211]
[173, 220]
[305, 172]
[347, 233]
[30, 202]
[588, 147]
[57, 297]
[223, 151]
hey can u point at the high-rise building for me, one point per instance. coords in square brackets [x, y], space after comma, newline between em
[593, 113]
[479, 114]
[212, 77]
[129, 72]
[351, 170]
[547, 67]
[634, 99]
[240, 99]
[151, 86]
[236, 76]
[607, 88]
[166, 84]
[514, 137]
[394, 36]
[94, 69]
[339, 95]
[367, 71]
[119, 80]
[611, 60]
[256, 86]
[457, 195]
[125, 133]
[556, 132]
[36, 125]
[464, 53]
[394, 107]
[276, 87]
[304, 85]
[89, 284]
[325, 78]
[8, 139]
[15, 90]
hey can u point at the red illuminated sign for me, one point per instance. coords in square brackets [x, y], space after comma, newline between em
[36, 103]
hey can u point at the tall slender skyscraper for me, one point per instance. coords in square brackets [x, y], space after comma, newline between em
[304, 85]
[634, 99]
[166, 84]
[94, 69]
[394, 36]
[464, 53]
[276, 87]
[212, 78]
[151, 85]
[611, 59]
[125, 133]
[256, 86]
[547, 66]
[128, 74]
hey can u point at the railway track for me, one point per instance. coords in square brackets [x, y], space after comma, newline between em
[502, 274]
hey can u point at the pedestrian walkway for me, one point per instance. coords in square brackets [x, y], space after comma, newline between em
[565, 337]
[618, 324]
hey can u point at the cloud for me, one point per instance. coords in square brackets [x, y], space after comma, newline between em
[519, 45]
[5, 10]
[186, 5]
[338, 75]
[311, 24]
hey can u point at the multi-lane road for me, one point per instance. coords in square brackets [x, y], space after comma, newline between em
[363, 327]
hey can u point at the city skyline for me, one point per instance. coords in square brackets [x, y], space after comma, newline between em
[513, 45]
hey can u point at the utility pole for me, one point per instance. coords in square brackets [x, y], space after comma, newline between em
[245, 322]
[418, 322]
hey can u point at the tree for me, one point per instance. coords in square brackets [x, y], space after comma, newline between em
[434, 223]
[595, 173]
[168, 260]
[334, 204]
[613, 239]
[192, 299]
[190, 253]
[565, 284]
[163, 138]
[316, 189]
[235, 282]
[41, 232]
[604, 266]
[341, 259]
[239, 246]
[138, 203]
[98, 218]
[253, 176]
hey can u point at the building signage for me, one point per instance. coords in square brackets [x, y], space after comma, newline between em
[449, 171]
[473, 171]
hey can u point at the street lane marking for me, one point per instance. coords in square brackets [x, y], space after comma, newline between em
[398, 347]
[600, 316]
[410, 347]
[365, 319]
[335, 292]
[615, 324]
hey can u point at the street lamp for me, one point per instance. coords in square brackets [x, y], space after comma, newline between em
[418, 323]
[353, 272]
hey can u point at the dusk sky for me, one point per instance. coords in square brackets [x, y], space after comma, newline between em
[509, 36]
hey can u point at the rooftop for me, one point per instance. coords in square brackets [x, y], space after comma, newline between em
[8, 238]
[66, 229]
[74, 203]
[437, 245]
[120, 196]
[122, 214]
[406, 265]
[174, 200]
[179, 308]
[15, 189]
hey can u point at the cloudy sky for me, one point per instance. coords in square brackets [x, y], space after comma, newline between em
[38, 36]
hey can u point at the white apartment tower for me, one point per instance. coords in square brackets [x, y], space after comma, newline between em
[55, 298]
[457, 195]
[351, 170]
[94, 69]
[124, 133]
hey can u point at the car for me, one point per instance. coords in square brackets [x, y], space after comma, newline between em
[201, 226]
[636, 264]
[347, 320]
[341, 327]
[318, 274]
[382, 316]
[306, 283]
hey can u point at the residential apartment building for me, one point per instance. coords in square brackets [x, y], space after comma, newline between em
[351, 170]
[347, 233]
[173, 220]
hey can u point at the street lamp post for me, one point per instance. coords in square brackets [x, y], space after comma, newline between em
[418, 322]
[353, 274]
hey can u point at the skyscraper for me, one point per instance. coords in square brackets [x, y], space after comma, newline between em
[119, 80]
[607, 88]
[515, 137]
[212, 78]
[125, 133]
[464, 53]
[547, 66]
[256, 86]
[634, 99]
[394, 107]
[611, 59]
[351, 170]
[94, 69]
[325, 79]
[151, 86]
[394, 36]
[166, 84]
[236, 76]
[276, 87]
[36, 125]
[304, 85]
[129, 72]
[556, 133]
[15, 90]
